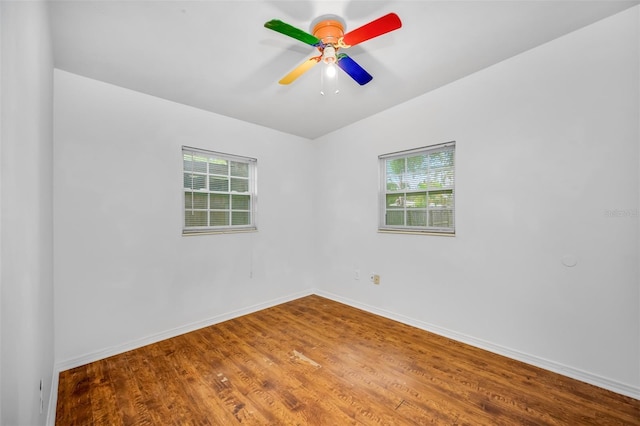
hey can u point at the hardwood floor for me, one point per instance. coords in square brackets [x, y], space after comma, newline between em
[313, 361]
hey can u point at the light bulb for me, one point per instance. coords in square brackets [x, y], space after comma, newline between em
[329, 80]
[329, 76]
[330, 70]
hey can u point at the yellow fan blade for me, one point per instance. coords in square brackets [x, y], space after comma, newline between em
[301, 69]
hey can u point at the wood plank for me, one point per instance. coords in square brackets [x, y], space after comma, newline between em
[315, 361]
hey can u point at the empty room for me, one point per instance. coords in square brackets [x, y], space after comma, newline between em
[320, 212]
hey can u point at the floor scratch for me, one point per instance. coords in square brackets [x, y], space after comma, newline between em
[304, 358]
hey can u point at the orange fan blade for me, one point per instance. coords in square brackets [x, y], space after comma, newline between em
[301, 69]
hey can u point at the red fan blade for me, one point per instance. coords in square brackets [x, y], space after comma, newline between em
[373, 29]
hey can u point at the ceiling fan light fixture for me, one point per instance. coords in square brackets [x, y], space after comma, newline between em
[329, 55]
[329, 77]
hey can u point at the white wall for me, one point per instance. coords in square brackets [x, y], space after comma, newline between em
[547, 144]
[26, 212]
[124, 273]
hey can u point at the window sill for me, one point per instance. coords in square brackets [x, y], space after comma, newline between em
[217, 232]
[414, 232]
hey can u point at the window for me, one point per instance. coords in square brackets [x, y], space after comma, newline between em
[417, 190]
[219, 192]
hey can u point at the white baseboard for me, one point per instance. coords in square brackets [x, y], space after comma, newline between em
[138, 343]
[53, 398]
[574, 373]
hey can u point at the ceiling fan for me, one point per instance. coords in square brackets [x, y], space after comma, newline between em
[329, 37]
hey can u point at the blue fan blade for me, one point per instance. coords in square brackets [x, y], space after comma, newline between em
[354, 70]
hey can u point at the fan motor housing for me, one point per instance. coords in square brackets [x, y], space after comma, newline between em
[329, 31]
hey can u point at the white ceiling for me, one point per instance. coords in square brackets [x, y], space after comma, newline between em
[217, 55]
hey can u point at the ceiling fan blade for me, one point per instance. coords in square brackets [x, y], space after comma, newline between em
[354, 70]
[373, 29]
[301, 69]
[291, 31]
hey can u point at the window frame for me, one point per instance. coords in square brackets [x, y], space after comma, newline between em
[383, 192]
[251, 192]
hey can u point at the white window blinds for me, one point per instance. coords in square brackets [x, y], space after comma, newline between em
[417, 190]
[219, 192]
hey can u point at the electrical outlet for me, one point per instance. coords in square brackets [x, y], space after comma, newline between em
[375, 278]
[356, 274]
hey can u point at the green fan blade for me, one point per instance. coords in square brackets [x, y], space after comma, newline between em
[291, 31]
